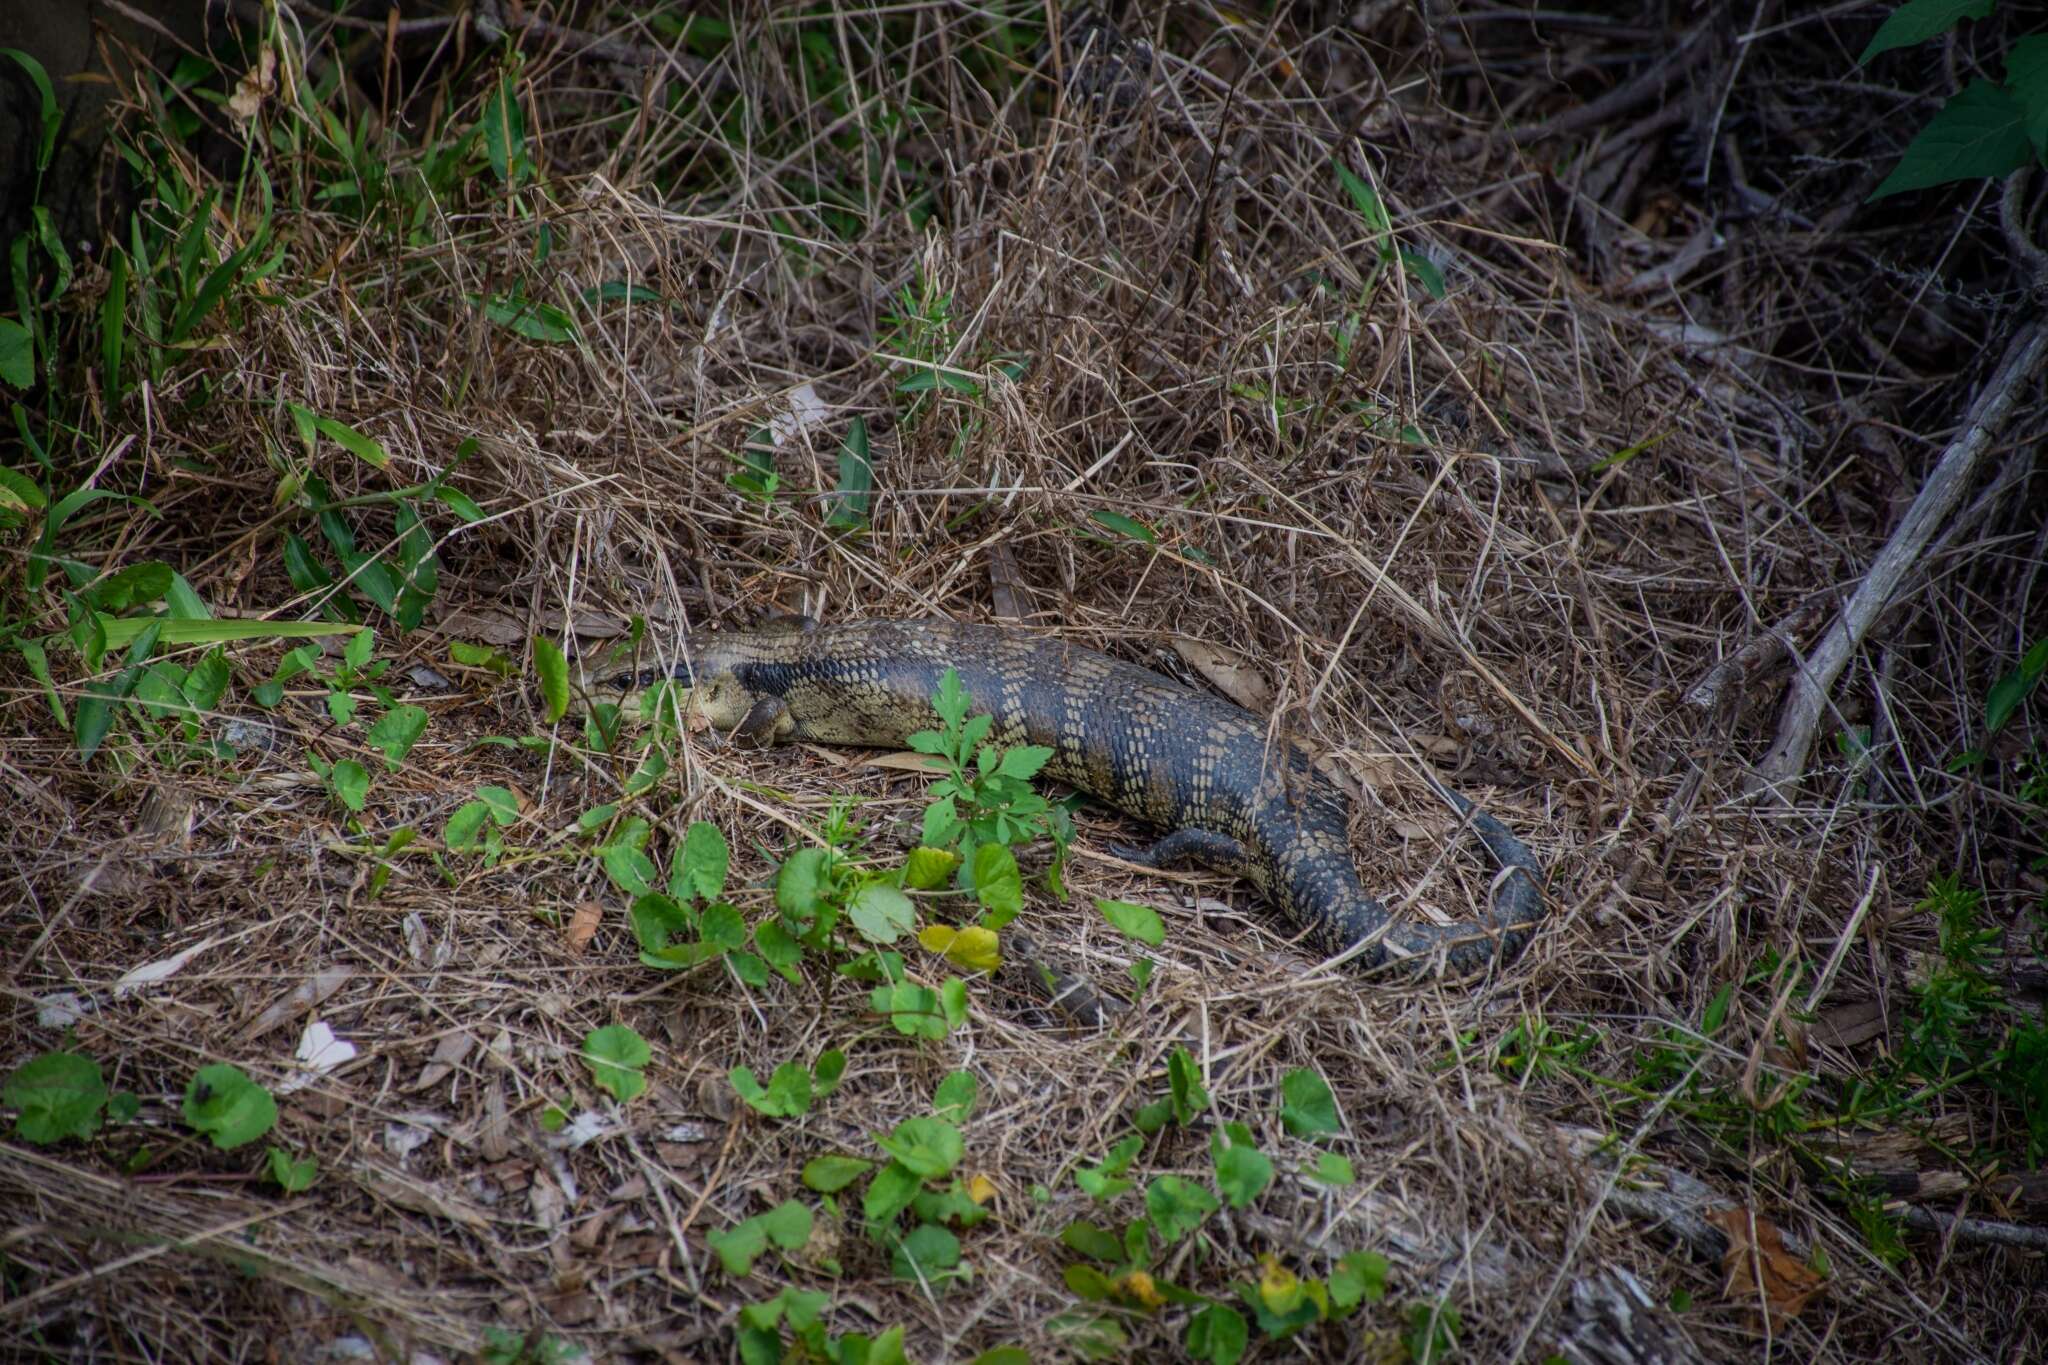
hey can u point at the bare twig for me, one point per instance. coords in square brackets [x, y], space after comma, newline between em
[1944, 489]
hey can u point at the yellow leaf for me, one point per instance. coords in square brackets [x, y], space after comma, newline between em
[936, 938]
[1279, 1288]
[974, 950]
[1138, 1288]
[981, 1189]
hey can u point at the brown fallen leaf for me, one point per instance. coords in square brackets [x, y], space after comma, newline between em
[906, 762]
[1232, 673]
[1756, 1258]
[257, 82]
[583, 925]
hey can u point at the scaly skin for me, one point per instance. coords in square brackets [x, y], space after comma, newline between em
[1166, 753]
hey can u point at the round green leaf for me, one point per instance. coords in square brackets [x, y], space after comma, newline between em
[224, 1104]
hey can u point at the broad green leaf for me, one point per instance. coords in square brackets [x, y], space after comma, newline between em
[831, 1174]
[1177, 1207]
[617, 1057]
[19, 493]
[396, 731]
[800, 882]
[927, 869]
[926, 1147]
[350, 781]
[705, 862]
[17, 354]
[1134, 921]
[1093, 1242]
[530, 318]
[58, 1095]
[1242, 1174]
[1217, 1335]
[1425, 271]
[1307, 1106]
[956, 1096]
[787, 1094]
[890, 1192]
[880, 913]
[998, 885]
[504, 125]
[1980, 132]
[1918, 20]
[738, 1248]
[553, 668]
[930, 1255]
[1360, 1276]
[788, 1224]
[2026, 76]
[292, 1174]
[1332, 1169]
[225, 1105]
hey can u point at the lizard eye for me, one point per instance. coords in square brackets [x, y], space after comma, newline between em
[620, 683]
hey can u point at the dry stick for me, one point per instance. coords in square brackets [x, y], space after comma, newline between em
[1944, 489]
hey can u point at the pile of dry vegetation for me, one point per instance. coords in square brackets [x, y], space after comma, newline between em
[1469, 393]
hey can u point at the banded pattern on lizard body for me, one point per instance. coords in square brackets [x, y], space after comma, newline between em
[1166, 753]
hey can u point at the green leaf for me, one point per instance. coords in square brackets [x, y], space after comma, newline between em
[831, 1174]
[855, 495]
[1918, 20]
[1177, 1206]
[1125, 526]
[930, 1255]
[617, 1057]
[1242, 1174]
[956, 1097]
[1134, 921]
[926, 1147]
[1024, 761]
[396, 731]
[553, 669]
[913, 1010]
[2008, 692]
[1360, 1276]
[788, 1224]
[928, 869]
[114, 321]
[19, 493]
[344, 435]
[831, 1065]
[1184, 1081]
[1093, 1242]
[235, 631]
[350, 783]
[292, 1174]
[890, 1192]
[738, 1248]
[704, 864]
[998, 885]
[504, 125]
[51, 118]
[1366, 200]
[2026, 76]
[800, 883]
[225, 1105]
[17, 354]
[59, 1095]
[787, 1094]
[217, 284]
[1333, 1169]
[1980, 132]
[1217, 1335]
[530, 318]
[723, 927]
[1425, 272]
[881, 913]
[1307, 1107]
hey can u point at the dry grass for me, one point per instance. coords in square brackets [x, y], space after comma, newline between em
[1492, 602]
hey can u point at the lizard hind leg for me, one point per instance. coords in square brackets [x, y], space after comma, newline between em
[1203, 847]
